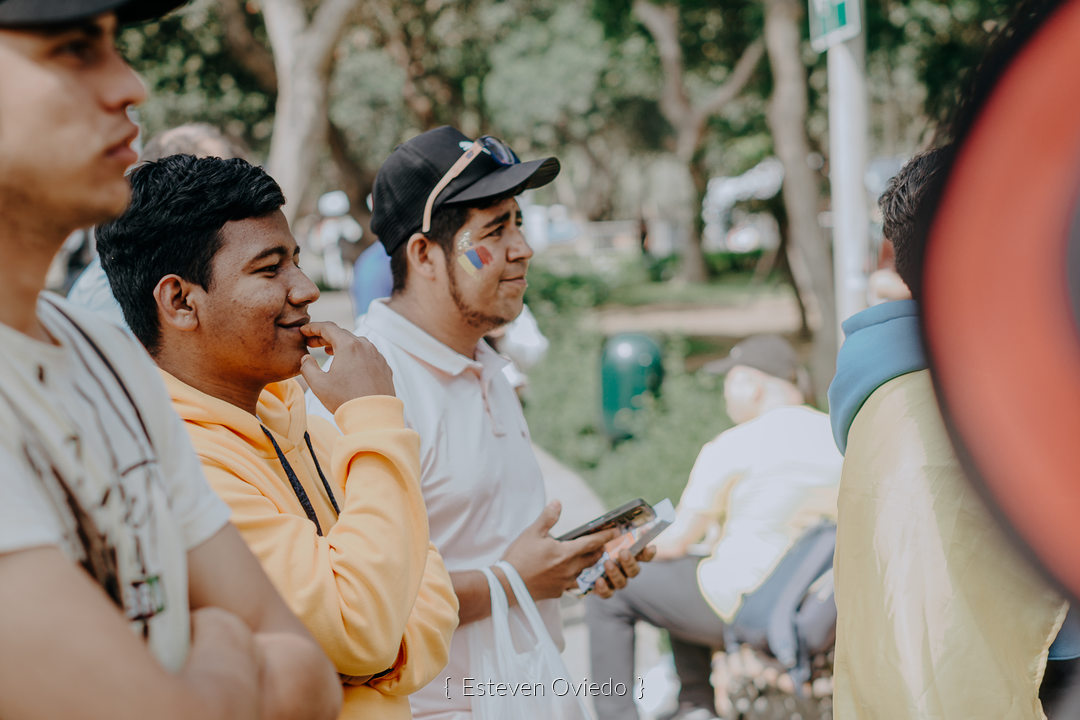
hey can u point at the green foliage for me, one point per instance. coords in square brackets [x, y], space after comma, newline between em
[551, 293]
[546, 71]
[563, 411]
[940, 42]
[365, 101]
[192, 78]
[563, 400]
[555, 293]
[669, 433]
[579, 80]
[712, 34]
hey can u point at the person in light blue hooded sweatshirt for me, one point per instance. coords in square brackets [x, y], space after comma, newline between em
[936, 611]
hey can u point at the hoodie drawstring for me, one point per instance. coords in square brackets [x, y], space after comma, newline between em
[298, 488]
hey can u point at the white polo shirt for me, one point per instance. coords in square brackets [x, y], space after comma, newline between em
[481, 481]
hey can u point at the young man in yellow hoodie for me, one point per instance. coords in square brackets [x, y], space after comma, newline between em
[205, 269]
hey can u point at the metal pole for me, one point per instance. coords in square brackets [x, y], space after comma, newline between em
[847, 157]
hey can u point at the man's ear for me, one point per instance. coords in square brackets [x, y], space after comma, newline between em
[424, 255]
[177, 307]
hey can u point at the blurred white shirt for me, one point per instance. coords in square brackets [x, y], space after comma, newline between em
[770, 480]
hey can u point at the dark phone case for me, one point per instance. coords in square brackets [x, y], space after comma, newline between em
[636, 512]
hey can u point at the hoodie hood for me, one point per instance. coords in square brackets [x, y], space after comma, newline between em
[280, 408]
[881, 343]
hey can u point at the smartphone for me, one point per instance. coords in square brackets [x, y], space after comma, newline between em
[632, 514]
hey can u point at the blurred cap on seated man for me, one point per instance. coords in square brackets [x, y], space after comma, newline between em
[770, 355]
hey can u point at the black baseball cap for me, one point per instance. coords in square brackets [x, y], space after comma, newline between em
[36, 13]
[415, 167]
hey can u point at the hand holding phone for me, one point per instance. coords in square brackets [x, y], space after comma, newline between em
[550, 567]
[635, 513]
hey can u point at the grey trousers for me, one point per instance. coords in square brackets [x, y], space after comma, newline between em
[666, 595]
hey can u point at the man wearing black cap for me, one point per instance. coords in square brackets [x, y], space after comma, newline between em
[754, 490]
[124, 592]
[445, 210]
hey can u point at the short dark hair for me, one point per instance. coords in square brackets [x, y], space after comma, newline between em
[445, 222]
[903, 210]
[178, 206]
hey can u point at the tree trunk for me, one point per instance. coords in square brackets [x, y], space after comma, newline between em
[355, 180]
[299, 130]
[303, 59]
[809, 254]
[689, 119]
[694, 268]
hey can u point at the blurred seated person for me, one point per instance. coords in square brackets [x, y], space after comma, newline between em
[753, 492]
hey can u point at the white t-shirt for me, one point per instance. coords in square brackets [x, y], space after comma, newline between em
[92, 291]
[783, 470]
[81, 472]
[481, 481]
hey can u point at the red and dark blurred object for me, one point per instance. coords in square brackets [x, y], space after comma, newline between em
[1001, 294]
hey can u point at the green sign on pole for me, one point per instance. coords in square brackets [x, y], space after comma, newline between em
[834, 21]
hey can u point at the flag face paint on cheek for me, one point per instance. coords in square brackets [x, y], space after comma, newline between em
[470, 257]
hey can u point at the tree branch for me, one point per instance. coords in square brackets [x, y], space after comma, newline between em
[396, 44]
[736, 81]
[328, 25]
[663, 24]
[355, 180]
[285, 20]
[244, 48]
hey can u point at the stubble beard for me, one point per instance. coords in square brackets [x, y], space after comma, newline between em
[474, 318]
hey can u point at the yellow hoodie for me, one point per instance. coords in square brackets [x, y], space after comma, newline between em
[372, 590]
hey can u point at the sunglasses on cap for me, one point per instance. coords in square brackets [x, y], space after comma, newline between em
[499, 151]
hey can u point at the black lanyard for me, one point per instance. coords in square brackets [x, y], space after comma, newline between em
[301, 494]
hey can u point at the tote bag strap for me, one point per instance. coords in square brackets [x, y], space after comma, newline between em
[524, 598]
[540, 632]
[499, 604]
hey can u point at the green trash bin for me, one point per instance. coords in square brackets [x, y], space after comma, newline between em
[630, 366]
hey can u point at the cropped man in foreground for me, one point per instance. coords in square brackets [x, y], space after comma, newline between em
[939, 615]
[124, 592]
[205, 269]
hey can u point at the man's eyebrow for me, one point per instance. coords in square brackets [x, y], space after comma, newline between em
[277, 250]
[497, 221]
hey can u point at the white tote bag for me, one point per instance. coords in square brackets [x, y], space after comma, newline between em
[519, 672]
